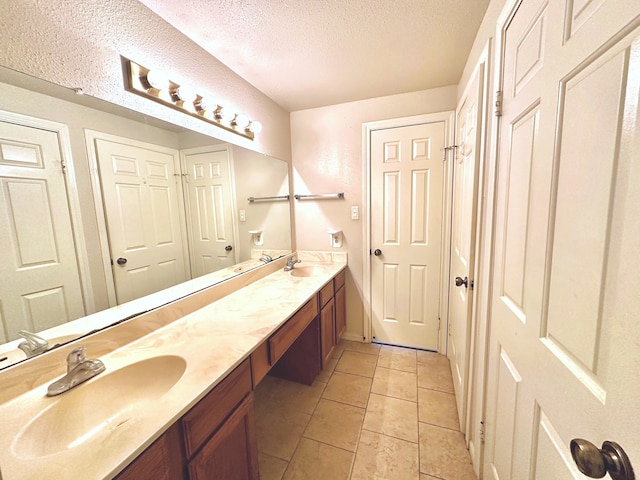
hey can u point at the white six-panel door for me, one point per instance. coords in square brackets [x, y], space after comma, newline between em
[142, 210]
[564, 344]
[209, 212]
[406, 227]
[38, 262]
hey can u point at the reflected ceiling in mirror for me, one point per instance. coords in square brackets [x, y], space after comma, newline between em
[100, 205]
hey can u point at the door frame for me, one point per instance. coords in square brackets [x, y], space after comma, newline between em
[448, 117]
[73, 197]
[103, 232]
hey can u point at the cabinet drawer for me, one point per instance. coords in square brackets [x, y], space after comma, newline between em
[209, 413]
[326, 294]
[338, 281]
[290, 331]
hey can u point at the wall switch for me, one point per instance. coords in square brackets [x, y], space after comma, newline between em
[243, 215]
[355, 214]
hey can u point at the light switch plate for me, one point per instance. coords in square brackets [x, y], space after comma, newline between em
[355, 214]
[243, 215]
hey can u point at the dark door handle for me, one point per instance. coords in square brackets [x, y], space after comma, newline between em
[228, 248]
[460, 282]
[377, 252]
[121, 261]
[596, 462]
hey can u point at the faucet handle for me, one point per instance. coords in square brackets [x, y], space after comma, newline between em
[32, 344]
[76, 357]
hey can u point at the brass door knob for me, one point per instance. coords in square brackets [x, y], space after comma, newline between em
[596, 462]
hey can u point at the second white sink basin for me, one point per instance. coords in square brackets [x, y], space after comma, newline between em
[307, 271]
[106, 401]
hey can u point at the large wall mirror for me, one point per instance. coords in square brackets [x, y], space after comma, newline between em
[100, 205]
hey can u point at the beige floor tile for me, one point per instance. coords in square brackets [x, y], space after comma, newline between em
[357, 363]
[397, 358]
[395, 383]
[444, 454]
[347, 388]
[271, 468]
[393, 417]
[279, 432]
[370, 348]
[431, 357]
[383, 457]
[438, 408]
[336, 423]
[435, 376]
[315, 460]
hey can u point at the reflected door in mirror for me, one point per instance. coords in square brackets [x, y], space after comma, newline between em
[209, 208]
[38, 263]
[140, 192]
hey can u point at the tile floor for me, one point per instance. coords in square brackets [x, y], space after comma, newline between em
[375, 412]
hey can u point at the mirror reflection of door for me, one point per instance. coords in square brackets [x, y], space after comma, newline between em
[209, 209]
[38, 262]
[140, 189]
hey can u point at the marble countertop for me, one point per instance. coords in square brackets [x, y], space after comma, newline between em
[212, 341]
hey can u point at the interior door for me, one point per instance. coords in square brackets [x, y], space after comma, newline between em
[463, 234]
[140, 193]
[565, 331]
[209, 196]
[406, 233]
[38, 263]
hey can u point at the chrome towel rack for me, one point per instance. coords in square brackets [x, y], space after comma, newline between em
[318, 197]
[258, 199]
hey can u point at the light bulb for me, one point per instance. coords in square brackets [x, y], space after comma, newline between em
[255, 127]
[241, 120]
[186, 93]
[223, 114]
[207, 105]
[157, 79]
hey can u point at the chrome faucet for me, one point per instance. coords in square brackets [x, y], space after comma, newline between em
[266, 258]
[32, 344]
[79, 370]
[291, 262]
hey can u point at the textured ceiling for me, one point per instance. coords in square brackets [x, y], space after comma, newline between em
[310, 53]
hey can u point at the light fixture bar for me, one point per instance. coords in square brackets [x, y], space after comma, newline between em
[185, 99]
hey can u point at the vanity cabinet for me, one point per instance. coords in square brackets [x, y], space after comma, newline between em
[340, 305]
[163, 460]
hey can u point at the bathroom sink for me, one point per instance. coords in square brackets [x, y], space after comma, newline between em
[307, 271]
[105, 402]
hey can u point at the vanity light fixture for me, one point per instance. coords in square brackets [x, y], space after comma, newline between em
[156, 85]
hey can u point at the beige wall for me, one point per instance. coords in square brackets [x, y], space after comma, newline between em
[79, 43]
[326, 147]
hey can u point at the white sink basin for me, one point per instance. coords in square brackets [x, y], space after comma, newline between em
[106, 401]
[307, 271]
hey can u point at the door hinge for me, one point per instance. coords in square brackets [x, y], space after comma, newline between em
[438, 323]
[498, 111]
[63, 167]
[446, 149]
[482, 432]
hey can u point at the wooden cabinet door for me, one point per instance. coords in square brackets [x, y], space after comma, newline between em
[163, 460]
[327, 330]
[341, 313]
[232, 452]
